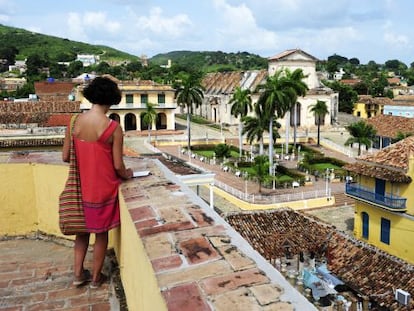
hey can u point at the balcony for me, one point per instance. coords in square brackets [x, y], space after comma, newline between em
[387, 201]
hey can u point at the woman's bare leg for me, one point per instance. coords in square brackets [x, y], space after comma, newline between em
[81, 248]
[99, 252]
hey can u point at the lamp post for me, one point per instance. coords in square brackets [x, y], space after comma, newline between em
[274, 175]
[245, 175]
[327, 182]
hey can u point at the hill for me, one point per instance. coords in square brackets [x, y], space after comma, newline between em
[58, 49]
[209, 61]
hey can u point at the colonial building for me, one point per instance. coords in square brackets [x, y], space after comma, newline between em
[219, 89]
[384, 194]
[135, 97]
[402, 105]
[388, 128]
[367, 106]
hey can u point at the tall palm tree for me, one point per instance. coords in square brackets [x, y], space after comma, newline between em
[276, 97]
[361, 133]
[189, 93]
[256, 126]
[296, 77]
[319, 110]
[241, 102]
[149, 117]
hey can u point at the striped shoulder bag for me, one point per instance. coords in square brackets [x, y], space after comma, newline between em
[71, 214]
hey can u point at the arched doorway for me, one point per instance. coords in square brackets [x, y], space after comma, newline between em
[130, 122]
[144, 125]
[161, 121]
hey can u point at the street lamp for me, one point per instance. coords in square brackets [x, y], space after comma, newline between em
[327, 178]
[274, 175]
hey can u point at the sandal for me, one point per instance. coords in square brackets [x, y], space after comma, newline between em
[96, 284]
[84, 278]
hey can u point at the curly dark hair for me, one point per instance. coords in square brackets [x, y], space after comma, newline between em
[102, 91]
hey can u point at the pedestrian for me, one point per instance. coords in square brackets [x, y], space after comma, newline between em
[98, 143]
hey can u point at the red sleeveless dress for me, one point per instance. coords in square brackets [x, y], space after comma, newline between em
[99, 182]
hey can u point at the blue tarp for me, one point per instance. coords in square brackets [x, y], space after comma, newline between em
[327, 276]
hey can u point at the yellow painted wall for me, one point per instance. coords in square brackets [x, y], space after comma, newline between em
[360, 107]
[295, 205]
[141, 289]
[18, 209]
[29, 202]
[401, 236]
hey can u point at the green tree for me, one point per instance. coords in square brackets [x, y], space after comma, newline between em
[301, 88]
[277, 95]
[256, 126]
[241, 102]
[189, 93]
[222, 150]
[260, 169]
[347, 95]
[361, 133]
[319, 110]
[149, 117]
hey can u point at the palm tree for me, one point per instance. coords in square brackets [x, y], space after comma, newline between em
[189, 93]
[320, 110]
[256, 126]
[259, 169]
[277, 95]
[241, 104]
[296, 77]
[149, 117]
[361, 133]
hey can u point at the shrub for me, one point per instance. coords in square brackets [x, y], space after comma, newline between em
[222, 150]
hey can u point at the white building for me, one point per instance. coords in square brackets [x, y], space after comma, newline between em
[219, 88]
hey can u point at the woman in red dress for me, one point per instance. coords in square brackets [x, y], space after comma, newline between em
[98, 143]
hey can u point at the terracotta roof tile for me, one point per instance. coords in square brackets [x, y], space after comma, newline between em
[366, 269]
[390, 126]
[390, 163]
[368, 99]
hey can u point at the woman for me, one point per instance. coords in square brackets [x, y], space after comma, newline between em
[98, 143]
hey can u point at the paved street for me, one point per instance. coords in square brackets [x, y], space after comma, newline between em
[340, 216]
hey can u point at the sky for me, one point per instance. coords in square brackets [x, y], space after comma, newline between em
[377, 30]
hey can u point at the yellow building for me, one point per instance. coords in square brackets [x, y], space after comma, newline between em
[384, 194]
[135, 97]
[368, 106]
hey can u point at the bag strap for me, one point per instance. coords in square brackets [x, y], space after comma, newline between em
[72, 123]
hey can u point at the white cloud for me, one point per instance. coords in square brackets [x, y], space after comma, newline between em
[167, 26]
[90, 24]
[239, 27]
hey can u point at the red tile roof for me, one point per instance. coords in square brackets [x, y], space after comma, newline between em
[390, 163]
[391, 126]
[365, 269]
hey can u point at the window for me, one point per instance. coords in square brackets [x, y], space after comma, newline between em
[161, 98]
[293, 116]
[320, 119]
[365, 225]
[144, 98]
[129, 98]
[385, 230]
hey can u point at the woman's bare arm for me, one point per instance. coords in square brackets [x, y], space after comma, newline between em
[66, 146]
[117, 153]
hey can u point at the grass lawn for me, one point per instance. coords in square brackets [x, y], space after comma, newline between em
[323, 166]
[210, 153]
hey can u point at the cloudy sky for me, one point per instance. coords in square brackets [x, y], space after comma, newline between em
[377, 30]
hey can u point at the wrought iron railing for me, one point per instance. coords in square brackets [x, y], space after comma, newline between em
[387, 200]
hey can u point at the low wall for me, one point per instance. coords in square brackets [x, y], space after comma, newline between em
[29, 203]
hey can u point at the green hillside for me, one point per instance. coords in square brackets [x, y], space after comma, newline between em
[60, 50]
[208, 61]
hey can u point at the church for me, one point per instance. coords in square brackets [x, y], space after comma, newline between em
[220, 86]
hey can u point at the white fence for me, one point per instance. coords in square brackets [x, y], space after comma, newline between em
[270, 199]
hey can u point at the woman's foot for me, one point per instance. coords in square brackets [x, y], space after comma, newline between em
[96, 284]
[83, 278]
